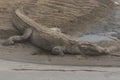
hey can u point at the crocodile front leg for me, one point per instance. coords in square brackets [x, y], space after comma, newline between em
[18, 38]
[58, 50]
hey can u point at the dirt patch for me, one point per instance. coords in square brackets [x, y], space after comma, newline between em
[71, 16]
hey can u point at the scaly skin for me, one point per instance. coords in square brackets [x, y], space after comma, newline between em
[50, 39]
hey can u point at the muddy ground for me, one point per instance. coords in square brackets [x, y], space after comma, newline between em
[100, 18]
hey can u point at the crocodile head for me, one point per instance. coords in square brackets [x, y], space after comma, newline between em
[92, 49]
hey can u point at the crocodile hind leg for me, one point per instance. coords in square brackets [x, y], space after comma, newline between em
[58, 50]
[10, 41]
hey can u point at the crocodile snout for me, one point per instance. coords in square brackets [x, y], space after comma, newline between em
[93, 50]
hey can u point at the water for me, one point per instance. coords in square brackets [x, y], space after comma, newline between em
[111, 24]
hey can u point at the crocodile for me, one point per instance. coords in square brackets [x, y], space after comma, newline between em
[50, 39]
